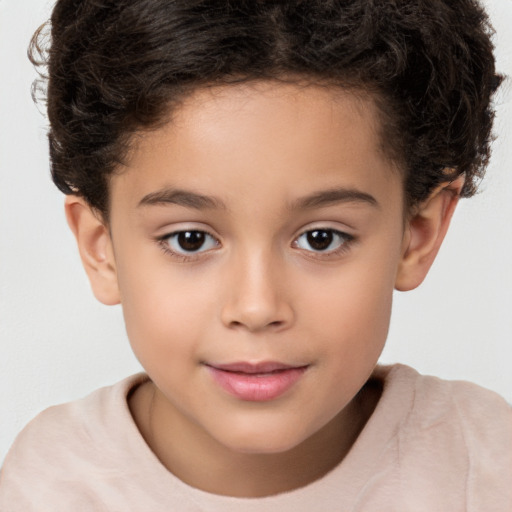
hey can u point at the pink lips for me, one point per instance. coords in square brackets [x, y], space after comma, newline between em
[256, 382]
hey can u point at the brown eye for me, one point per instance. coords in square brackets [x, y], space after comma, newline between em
[323, 240]
[190, 241]
[319, 240]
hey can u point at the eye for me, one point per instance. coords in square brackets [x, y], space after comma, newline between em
[191, 241]
[323, 240]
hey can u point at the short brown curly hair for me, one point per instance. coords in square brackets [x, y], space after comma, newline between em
[118, 66]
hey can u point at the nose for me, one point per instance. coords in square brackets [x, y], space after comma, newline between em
[256, 296]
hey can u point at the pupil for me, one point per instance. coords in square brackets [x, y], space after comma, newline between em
[191, 240]
[320, 240]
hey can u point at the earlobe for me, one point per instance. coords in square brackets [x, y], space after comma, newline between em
[425, 232]
[95, 247]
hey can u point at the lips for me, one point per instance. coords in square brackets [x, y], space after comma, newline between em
[258, 382]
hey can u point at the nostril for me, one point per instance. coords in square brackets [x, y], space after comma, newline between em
[256, 327]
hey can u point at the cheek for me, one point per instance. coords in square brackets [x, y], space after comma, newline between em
[351, 308]
[161, 311]
[352, 300]
[351, 329]
[354, 329]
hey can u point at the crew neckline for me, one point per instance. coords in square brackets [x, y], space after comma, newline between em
[356, 467]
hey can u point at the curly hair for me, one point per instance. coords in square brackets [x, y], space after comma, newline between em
[114, 67]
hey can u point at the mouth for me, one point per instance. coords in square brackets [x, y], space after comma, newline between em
[259, 382]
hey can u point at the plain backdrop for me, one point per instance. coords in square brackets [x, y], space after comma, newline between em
[57, 343]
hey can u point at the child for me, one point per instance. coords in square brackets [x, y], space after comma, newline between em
[251, 180]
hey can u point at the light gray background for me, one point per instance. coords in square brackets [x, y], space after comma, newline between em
[58, 343]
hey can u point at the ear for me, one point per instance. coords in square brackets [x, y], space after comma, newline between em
[95, 247]
[425, 231]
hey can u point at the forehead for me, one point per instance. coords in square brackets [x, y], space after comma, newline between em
[254, 107]
[237, 139]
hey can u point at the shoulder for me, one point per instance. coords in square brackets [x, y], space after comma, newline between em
[456, 434]
[61, 443]
[466, 406]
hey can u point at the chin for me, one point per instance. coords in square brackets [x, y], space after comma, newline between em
[262, 442]
[264, 447]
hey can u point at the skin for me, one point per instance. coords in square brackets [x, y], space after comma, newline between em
[275, 161]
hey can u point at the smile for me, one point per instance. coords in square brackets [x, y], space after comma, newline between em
[260, 382]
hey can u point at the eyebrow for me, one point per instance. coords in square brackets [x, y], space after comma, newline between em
[201, 202]
[181, 198]
[334, 196]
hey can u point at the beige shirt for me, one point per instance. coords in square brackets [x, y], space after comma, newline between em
[430, 445]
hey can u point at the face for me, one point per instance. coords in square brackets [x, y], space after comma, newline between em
[257, 239]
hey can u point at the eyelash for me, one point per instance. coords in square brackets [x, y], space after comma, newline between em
[163, 242]
[345, 243]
